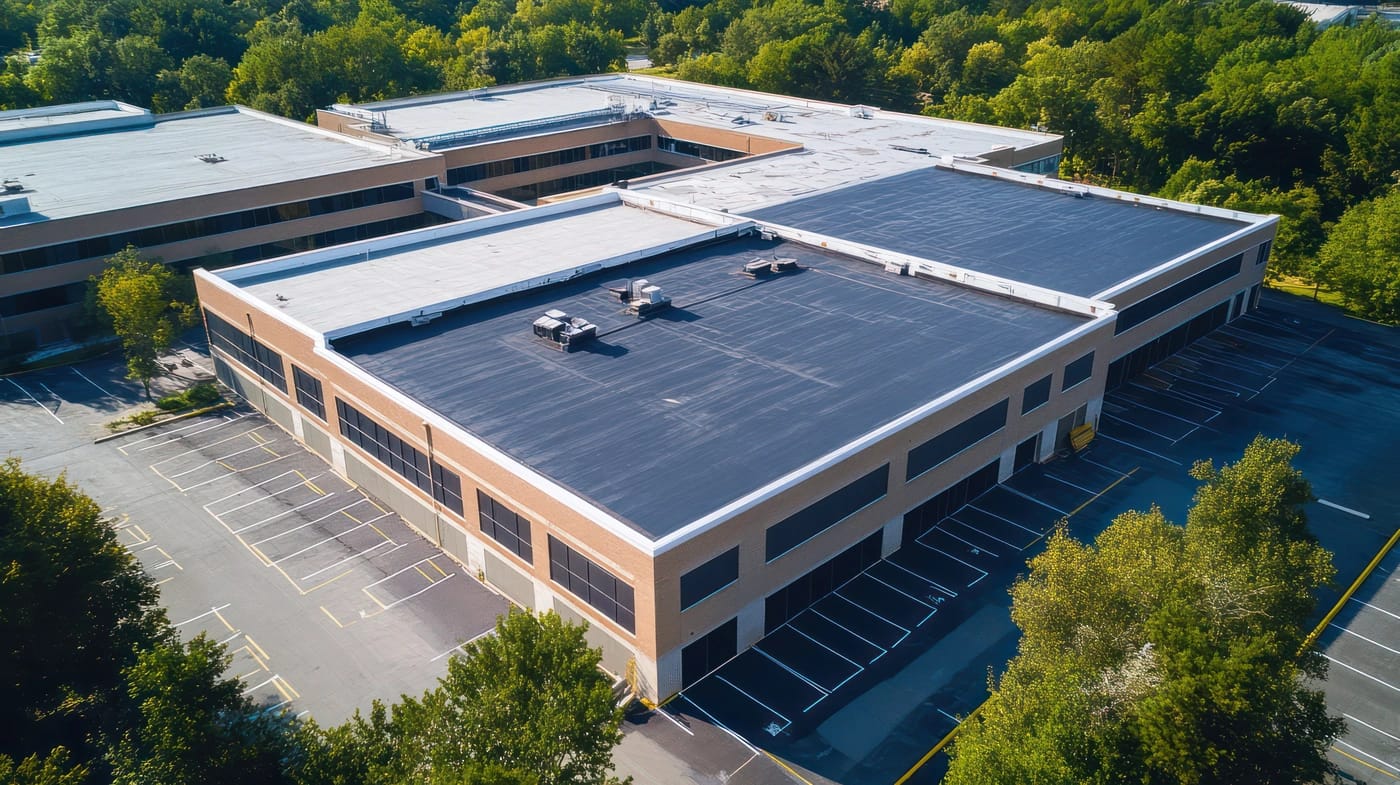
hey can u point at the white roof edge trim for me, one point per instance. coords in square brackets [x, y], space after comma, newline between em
[1119, 288]
[411, 237]
[972, 279]
[1066, 186]
[796, 477]
[256, 304]
[440, 424]
[367, 144]
[558, 276]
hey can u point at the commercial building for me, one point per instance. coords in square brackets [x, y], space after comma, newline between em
[685, 409]
[208, 188]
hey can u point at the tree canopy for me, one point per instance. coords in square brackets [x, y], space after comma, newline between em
[147, 305]
[1164, 653]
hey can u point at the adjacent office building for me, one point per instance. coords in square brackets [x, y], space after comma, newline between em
[203, 188]
[684, 409]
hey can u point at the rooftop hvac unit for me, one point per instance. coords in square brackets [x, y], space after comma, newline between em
[898, 268]
[641, 296]
[12, 185]
[763, 268]
[566, 333]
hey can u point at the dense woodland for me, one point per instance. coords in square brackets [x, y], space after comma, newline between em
[1239, 103]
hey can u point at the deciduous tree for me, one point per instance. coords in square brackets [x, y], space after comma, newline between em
[145, 304]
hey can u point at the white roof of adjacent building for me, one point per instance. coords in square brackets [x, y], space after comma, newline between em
[1325, 15]
[841, 144]
[355, 287]
[101, 156]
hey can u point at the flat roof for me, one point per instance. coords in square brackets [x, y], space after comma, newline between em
[840, 147]
[85, 169]
[368, 284]
[1002, 226]
[665, 420]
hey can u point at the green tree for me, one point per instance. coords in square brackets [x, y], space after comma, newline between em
[525, 706]
[1167, 654]
[186, 723]
[1361, 258]
[59, 560]
[146, 306]
[52, 769]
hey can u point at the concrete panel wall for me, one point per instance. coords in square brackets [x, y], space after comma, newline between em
[513, 583]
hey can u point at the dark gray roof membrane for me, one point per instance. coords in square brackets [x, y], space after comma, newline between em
[1014, 230]
[666, 419]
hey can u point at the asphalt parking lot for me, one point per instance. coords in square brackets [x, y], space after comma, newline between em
[324, 599]
[863, 685]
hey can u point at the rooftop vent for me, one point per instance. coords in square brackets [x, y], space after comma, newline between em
[898, 268]
[641, 296]
[907, 149]
[418, 320]
[566, 333]
[763, 268]
[211, 158]
[12, 186]
[861, 111]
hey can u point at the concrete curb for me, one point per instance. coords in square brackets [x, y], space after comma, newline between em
[197, 412]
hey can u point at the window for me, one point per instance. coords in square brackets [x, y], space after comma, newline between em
[107, 245]
[1078, 371]
[816, 518]
[1140, 359]
[1176, 294]
[42, 299]
[1035, 395]
[958, 438]
[503, 525]
[247, 350]
[694, 149]
[592, 584]
[403, 458]
[709, 578]
[308, 389]
[1263, 252]
[930, 513]
[801, 594]
[705, 654]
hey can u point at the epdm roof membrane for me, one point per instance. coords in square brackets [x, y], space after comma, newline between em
[667, 419]
[1036, 235]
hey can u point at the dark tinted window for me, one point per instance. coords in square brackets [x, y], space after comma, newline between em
[308, 389]
[709, 577]
[799, 595]
[247, 350]
[592, 584]
[807, 523]
[503, 525]
[403, 458]
[956, 439]
[930, 513]
[1078, 371]
[1176, 294]
[1035, 395]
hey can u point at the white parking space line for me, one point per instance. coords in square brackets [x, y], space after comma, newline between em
[678, 724]
[878, 616]
[1390, 736]
[242, 491]
[1146, 429]
[1050, 476]
[1087, 459]
[272, 518]
[898, 590]
[1381, 761]
[397, 573]
[1346, 510]
[959, 561]
[402, 600]
[933, 583]
[472, 639]
[1103, 435]
[232, 473]
[1360, 672]
[960, 522]
[862, 638]
[220, 459]
[1183, 397]
[209, 612]
[758, 648]
[330, 514]
[725, 728]
[35, 400]
[955, 720]
[1008, 520]
[1364, 638]
[359, 555]
[331, 538]
[200, 449]
[1031, 498]
[99, 387]
[1376, 608]
[770, 709]
[974, 546]
[1132, 404]
[223, 421]
[828, 648]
